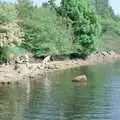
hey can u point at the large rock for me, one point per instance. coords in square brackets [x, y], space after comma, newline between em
[81, 78]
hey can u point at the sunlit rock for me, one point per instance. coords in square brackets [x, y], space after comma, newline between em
[81, 78]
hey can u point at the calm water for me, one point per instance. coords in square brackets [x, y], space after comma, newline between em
[55, 97]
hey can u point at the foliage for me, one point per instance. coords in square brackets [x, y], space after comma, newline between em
[24, 8]
[46, 33]
[10, 52]
[110, 37]
[85, 22]
[51, 3]
[109, 25]
[110, 41]
[102, 7]
[110, 21]
[10, 32]
[7, 12]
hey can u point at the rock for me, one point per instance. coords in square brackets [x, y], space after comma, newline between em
[22, 59]
[81, 78]
[51, 67]
[26, 57]
[111, 52]
[38, 66]
[17, 66]
[17, 60]
[104, 53]
[57, 67]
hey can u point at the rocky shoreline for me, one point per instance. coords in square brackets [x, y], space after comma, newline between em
[8, 73]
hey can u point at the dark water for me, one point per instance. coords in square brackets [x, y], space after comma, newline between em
[55, 97]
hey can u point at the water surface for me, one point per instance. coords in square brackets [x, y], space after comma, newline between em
[55, 97]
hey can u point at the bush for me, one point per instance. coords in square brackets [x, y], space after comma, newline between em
[7, 13]
[9, 53]
[46, 33]
[110, 37]
[110, 25]
[10, 31]
[85, 22]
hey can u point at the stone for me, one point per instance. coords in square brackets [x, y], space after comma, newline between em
[104, 53]
[81, 78]
[51, 67]
[16, 67]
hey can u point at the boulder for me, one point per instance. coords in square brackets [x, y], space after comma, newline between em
[81, 78]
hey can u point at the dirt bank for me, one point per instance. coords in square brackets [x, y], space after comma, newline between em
[9, 74]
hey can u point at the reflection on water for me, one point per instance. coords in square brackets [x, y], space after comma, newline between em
[55, 97]
[13, 101]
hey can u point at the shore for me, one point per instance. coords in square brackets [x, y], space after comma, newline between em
[8, 73]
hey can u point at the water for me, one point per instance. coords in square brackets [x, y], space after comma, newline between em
[55, 97]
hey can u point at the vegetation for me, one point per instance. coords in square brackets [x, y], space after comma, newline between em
[7, 12]
[110, 25]
[11, 34]
[46, 33]
[85, 23]
[42, 23]
[73, 27]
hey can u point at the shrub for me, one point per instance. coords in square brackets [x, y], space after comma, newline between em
[110, 25]
[85, 22]
[9, 53]
[7, 13]
[46, 33]
[11, 33]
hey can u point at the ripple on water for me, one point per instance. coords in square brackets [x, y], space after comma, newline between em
[56, 98]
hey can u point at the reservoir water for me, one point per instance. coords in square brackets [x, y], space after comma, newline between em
[55, 97]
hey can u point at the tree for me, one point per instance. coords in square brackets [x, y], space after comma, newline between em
[51, 2]
[10, 31]
[24, 8]
[11, 34]
[46, 33]
[7, 12]
[85, 22]
[45, 5]
[103, 8]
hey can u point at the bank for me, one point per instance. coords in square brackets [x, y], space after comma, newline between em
[9, 75]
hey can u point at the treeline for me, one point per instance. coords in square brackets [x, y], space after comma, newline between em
[110, 21]
[72, 28]
[108, 15]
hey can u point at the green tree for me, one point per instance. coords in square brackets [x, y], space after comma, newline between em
[11, 34]
[103, 8]
[85, 22]
[7, 12]
[24, 8]
[46, 33]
